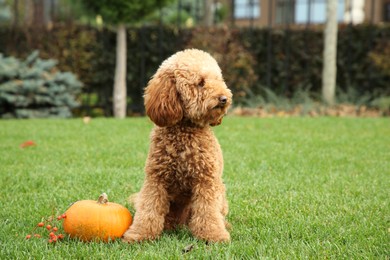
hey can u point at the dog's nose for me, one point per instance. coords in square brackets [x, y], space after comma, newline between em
[222, 100]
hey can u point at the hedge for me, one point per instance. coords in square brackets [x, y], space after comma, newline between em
[252, 59]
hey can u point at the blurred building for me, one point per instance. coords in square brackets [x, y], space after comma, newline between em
[190, 13]
[277, 12]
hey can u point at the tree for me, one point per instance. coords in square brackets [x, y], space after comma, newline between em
[208, 13]
[118, 13]
[329, 71]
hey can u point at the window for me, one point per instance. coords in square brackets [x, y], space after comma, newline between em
[284, 11]
[246, 9]
[386, 12]
[314, 11]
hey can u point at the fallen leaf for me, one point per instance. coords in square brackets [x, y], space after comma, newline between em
[28, 144]
[188, 248]
[86, 119]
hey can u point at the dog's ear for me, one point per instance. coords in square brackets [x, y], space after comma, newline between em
[162, 102]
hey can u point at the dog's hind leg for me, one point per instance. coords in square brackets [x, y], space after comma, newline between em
[225, 210]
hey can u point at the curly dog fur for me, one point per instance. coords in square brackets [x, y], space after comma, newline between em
[183, 182]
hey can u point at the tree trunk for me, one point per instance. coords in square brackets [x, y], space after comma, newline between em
[16, 13]
[119, 95]
[329, 71]
[38, 18]
[208, 13]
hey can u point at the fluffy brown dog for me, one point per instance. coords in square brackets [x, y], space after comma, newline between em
[183, 183]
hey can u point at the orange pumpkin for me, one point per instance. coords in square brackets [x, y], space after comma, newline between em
[96, 220]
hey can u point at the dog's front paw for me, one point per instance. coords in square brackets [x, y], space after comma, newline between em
[135, 235]
[223, 236]
[131, 237]
[213, 236]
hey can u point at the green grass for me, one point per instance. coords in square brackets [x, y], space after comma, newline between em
[297, 187]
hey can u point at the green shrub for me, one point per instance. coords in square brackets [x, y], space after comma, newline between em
[380, 56]
[147, 47]
[34, 88]
[282, 60]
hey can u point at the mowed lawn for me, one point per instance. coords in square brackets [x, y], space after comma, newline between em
[297, 187]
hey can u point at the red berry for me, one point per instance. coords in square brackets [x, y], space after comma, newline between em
[54, 239]
[37, 235]
[55, 229]
[63, 215]
[50, 240]
[52, 234]
[28, 236]
[48, 227]
[60, 236]
[41, 224]
[59, 217]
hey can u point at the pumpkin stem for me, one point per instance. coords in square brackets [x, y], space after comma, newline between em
[103, 198]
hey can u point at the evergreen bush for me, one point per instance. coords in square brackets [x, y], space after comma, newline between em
[33, 88]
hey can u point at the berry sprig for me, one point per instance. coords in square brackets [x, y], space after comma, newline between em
[50, 226]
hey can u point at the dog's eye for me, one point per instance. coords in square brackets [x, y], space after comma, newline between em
[201, 83]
